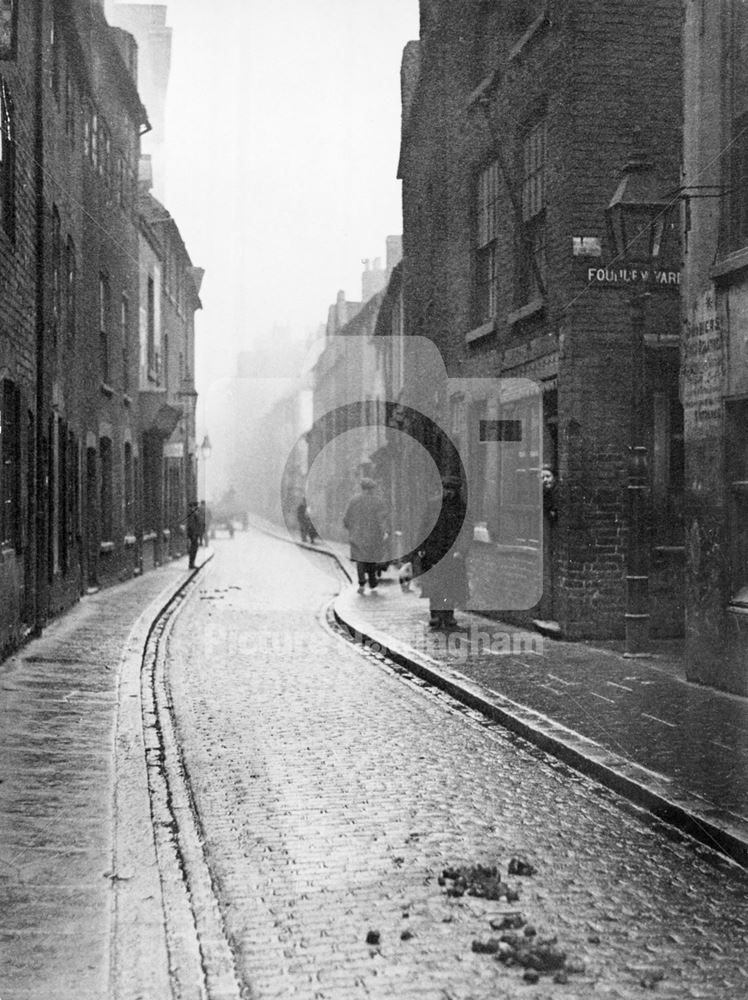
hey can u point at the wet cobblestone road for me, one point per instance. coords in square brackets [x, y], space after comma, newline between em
[333, 791]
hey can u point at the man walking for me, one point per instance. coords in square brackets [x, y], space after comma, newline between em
[365, 520]
[194, 531]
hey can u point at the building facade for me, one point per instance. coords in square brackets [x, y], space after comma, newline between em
[517, 121]
[71, 121]
[169, 297]
[715, 324]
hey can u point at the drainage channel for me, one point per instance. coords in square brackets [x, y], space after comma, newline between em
[201, 960]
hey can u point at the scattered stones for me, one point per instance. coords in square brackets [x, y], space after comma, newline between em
[508, 921]
[372, 937]
[481, 881]
[520, 866]
[490, 947]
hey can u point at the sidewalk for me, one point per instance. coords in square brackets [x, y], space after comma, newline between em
[637, 725]
[74, 798]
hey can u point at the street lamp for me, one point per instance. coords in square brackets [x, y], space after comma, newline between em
[205, 451]
[638, 227]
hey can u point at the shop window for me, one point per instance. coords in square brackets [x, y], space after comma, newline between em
[531, 254]
[106, 495]
[10, 451]
[7, 29]
[486, 243]
[7, 162]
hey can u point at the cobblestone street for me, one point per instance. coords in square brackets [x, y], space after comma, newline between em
[333, 791]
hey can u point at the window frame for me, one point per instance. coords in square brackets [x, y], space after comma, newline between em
[7, 162]
[487, 206]
[531, 256]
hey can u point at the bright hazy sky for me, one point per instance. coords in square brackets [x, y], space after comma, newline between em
[283, 127]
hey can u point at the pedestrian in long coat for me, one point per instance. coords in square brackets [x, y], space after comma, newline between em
[366, 522]
[195, 531]
[443, 555]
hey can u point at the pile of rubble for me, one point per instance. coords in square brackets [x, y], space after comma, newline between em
[517, 941]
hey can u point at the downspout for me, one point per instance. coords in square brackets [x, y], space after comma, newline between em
[39, 542]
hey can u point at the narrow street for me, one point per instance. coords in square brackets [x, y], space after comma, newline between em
[332, 791]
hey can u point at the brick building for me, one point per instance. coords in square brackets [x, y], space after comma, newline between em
[715, 360]
[169, 296]
[70, 127]
[517, 122]
[20, 333]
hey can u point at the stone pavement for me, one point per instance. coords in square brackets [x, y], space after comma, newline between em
[674, 747]
[74, 811]
[333, 790]
[637, 725]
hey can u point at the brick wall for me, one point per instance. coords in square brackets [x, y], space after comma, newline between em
[596, 72]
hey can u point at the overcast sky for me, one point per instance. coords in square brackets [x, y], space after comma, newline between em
[283, 127]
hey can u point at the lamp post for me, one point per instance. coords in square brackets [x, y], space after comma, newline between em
[638, 224]
[205, 451]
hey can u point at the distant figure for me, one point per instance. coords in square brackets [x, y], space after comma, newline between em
[444, 553]
[204, 523]
[194, 531]
[365, 520]
[307, 531]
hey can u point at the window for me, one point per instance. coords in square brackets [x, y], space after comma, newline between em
[7, 162]
[10, 453]
[531, 255]
[71, 282]
[487, 234]
[7, 29]
[107, 527]
[56, 272]
[104, 309]
[124, 324]
[735, 221]
[151, 325]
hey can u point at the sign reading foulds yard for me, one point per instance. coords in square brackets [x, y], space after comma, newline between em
[633, 276]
